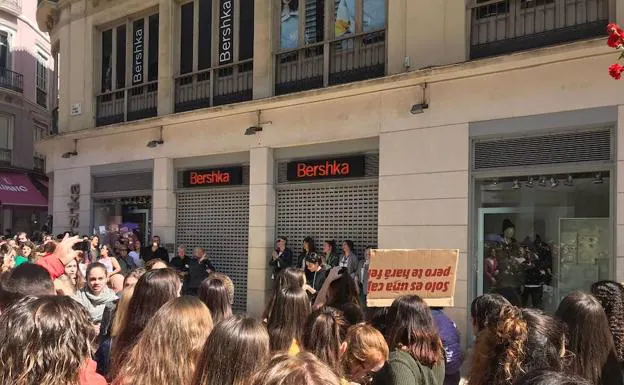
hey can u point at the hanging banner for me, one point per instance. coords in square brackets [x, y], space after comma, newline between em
[138, 51]
[226, 31]
[429, 274]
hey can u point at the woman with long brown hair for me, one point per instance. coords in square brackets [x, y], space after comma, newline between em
[364, 353]
[152, 291]
[417, 355]
[300, 369]
[590, 339]
[235, 350]
[214, 294]
[323, 334]
[288, 278]
[47, 340]
[178, 329]
[285, 326]
[500, 349]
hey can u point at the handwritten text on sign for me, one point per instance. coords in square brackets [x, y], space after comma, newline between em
[429, 274]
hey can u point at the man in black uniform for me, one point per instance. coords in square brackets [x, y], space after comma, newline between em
[199, 269]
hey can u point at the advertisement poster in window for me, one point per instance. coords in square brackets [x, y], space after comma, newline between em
[289, 24]
[374, 17]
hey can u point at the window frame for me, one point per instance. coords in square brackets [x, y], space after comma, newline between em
[10, 130]
[214, 38]
[10, 34]
[329, 35]
[113, 27]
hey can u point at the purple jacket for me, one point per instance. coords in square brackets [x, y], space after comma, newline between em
[450, 340]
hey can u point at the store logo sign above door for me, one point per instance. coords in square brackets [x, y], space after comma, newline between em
[332, 168]
[228, 176]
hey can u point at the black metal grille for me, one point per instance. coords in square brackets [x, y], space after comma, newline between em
[11, 80]
[571, 147]
[503, 26]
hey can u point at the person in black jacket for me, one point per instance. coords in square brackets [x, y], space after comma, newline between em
[156, 251]
[308, 249]
[199, 269]
[282, 256]
[315, 275]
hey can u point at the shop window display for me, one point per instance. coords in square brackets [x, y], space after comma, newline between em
[542, 237]
[118, 218]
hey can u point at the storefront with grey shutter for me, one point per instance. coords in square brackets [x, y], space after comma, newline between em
[212, 212]
[543, 208]
[331, 197]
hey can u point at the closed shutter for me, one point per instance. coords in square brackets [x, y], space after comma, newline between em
[329, 210]
[218, 221]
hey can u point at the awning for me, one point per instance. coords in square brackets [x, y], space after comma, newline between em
[18, 190]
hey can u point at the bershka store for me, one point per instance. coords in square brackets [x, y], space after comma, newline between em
[328, 198]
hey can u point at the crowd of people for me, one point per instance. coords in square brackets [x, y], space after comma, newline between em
[59, 326]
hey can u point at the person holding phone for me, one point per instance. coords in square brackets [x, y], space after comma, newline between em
[282, 256]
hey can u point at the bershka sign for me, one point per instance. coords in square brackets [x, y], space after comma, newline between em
[138, 50]
[227, 176]
[226, 31]
[332, 168]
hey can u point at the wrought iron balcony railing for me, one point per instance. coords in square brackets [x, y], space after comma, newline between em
[232, 83]
[11, 80]
[344, 60]
[127, 104]
[504, 26]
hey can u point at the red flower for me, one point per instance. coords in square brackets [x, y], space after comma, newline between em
[615, 70]
[616, 34]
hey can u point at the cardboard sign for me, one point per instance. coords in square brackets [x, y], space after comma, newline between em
[430, 274]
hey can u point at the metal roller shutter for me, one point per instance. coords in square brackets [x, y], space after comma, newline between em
[218, 220]
[328, 210]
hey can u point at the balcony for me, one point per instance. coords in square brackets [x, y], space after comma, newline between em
[228, 84]
[42, 98]
[45, 14]
[352, 58]
[13, 7]
[11, 80]
[133, 103]
[504, 26]
[39, 163]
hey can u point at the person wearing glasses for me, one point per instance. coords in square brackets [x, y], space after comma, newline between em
[282, 256]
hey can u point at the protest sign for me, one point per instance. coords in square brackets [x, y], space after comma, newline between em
[430, 274]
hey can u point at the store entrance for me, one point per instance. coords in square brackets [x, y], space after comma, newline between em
[116, 217]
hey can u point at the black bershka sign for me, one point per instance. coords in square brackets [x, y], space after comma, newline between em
[138, 51]
[328, 168]
[225, 176]
[226, 31]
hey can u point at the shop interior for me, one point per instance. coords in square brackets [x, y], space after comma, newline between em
[119, 216]
[541, 237]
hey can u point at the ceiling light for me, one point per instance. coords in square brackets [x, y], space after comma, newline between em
[516, 185]
[554, 182]
[157, 142]
[494, 182]
[598, 179]
[569, 181]
[529, 183]
[70, 154]
[542, 181]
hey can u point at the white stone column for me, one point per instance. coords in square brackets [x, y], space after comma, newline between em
[263, 50]
[261, 228]
[165, 57]
[61, 191]
[163, 200]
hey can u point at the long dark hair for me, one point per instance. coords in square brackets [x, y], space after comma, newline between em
[545, 341]
[235, 350]
[611, 296]
[324, 332]
[310, 243]
[589, 337]
[546, 377]
[486, 308]
[343, 290]
[152, 291]
[411, 327]
[215, 295]
[332, 244]
[500, 349]
[285, 324]
[44, 340]
[288, 278]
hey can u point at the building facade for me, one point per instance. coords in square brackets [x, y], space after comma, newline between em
[25, 116]
[491, 127]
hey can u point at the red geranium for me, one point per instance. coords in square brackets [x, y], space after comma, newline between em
[615, 70]
[615, 35]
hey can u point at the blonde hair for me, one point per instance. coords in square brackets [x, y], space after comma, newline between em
[179, 329]
[122, 311]
[364, 345]
[304, 368]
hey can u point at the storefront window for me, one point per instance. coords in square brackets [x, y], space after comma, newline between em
[542, 237]
[114, 219]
